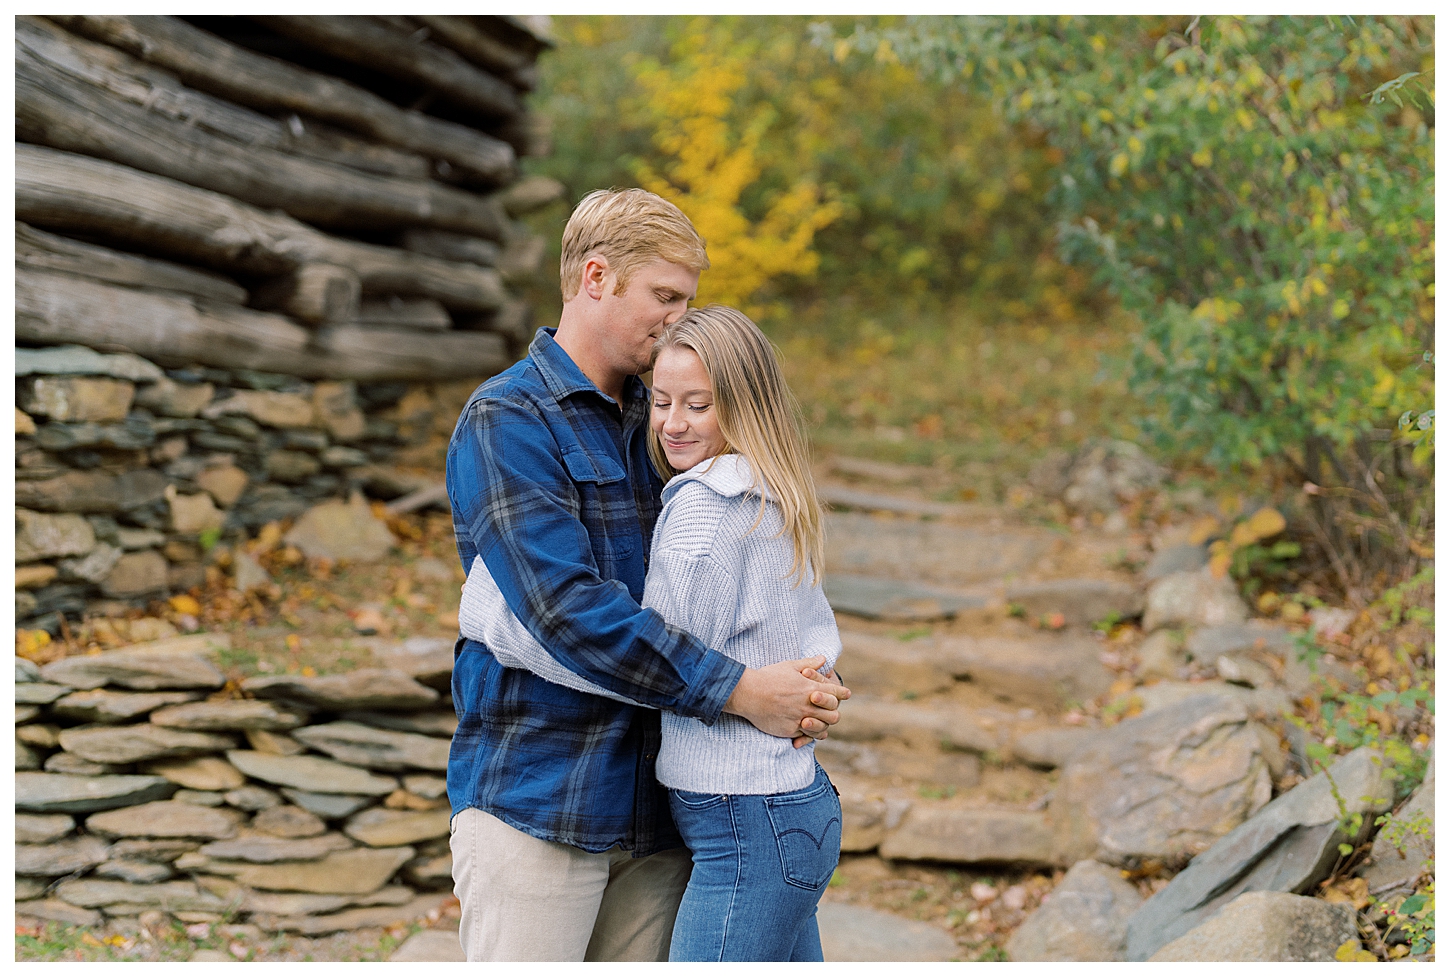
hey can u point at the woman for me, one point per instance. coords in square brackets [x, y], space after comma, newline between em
[735, 560]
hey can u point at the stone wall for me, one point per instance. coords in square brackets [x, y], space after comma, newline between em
[314, 805]
[126, 473]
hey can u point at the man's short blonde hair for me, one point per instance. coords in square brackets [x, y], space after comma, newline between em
[627, 228]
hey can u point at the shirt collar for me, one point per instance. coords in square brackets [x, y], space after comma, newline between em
[564, 378]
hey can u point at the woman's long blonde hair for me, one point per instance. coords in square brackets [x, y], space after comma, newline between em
[759, 418]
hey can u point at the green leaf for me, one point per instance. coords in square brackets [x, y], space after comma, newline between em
[1412, 905]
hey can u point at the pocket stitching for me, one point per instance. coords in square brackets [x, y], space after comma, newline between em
[772, 804]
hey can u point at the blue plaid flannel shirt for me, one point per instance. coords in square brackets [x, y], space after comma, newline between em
[551, 483]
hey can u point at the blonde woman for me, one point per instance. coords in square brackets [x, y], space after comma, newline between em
[735, 561]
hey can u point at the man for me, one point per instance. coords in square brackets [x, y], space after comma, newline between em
[563, 847]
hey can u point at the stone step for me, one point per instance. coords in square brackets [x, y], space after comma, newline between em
[430, 946]
[929, 553]
[857, 934]
[881, 598]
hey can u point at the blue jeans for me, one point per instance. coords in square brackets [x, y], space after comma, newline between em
[761, 864]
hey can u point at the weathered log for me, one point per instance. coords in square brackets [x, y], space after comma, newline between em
[65, 192]
[379, 47]
[451, 247]
[514, 319]
[399, 313]
[533, 192]
[314, 293]
[524, 33]
[522, 257]
[528, 134]
[53, 308]
[51, 252]
[56, 108]
[158, 91]
[208, 63]
[484, 50]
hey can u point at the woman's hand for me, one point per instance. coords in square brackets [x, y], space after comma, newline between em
[782, 700]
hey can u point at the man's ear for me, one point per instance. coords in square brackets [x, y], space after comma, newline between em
[596, 270]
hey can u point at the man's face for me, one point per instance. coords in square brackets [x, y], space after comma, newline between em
[658, 293]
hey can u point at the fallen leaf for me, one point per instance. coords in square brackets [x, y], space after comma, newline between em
[185, 604]
[1351, 952]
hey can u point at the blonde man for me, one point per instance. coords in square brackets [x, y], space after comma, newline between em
[563, 845]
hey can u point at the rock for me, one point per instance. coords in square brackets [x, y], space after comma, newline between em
[1086, 918]
[224, 483]
[24, 424]
[1208, 644]
[335, 408]
[855, 933]
[1045, 673]
[291, 467]
[339, 456]
[382, 828]
[1162, 785]
[129, 435]
[167, 398]
[229, 714]
[133, 870]
[42, 537]
[375, 748]
[327, 805]
[53, 792]
[355, 871]
[1243, 671]
[78, 398]
[428, 660]
[153, 849]
[199, 773]
[1330, 622]
[1288, 846]
[946, 832]
[94, 491]
[313, 774]
[435, 872]
[430, 946]
[1080, 602]
[1183, 558]
[932, 554]
[248, 573]
[250, 797]
[206, 955]
[275, 743]
[1051, 746]
[166, 819]
[342, 531]
[147, 670]
[885, 664]
[38, 693]
[286, 821]
[83, 361]
[1261, 703]
[132, 744]
[30, 888]
[129, 538]
[355, 918]
[263, 849]
[423, 785]
[41, 829]
[267, 407]
[1266, 926]
[45, 736]
[177, 895]
[95, 566]
[61, 857]
[191, 514]
[26, 758]
[1104, 474]
[1387, 865]
[427, 723]
[26, 713]
[136, 574]
[70, 763]
[362, 688]
[35, 575]
[873, 718]
[1193, 600]
[60, 911]
[1161, 655]
[103, 705]
[26, 670]
[205, 798]
[895, 600]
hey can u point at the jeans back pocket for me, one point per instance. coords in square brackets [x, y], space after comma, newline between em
[807, 826]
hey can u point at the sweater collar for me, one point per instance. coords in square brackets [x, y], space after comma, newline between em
[726, 475]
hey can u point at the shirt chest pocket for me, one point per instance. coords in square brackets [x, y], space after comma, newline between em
[606, 507]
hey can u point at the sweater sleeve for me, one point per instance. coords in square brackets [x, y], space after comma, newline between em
[484, 616]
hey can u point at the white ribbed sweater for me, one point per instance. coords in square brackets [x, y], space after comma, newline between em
[729, 586]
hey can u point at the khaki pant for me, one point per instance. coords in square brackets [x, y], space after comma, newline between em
[528, 899]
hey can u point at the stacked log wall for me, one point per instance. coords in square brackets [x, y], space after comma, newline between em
[241, 244]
